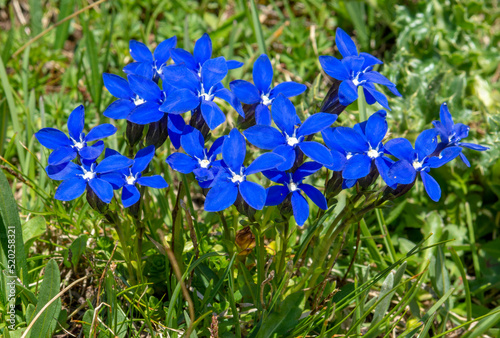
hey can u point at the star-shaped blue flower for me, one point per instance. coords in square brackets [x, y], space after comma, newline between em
[191, 92]
[419, 160]
[356, 70]
[90, 174]
[232, 178]
[292, 184]
[198, 159]
[287, 138]
[261, 92]
[202, 52]
[149, 64]
[361, 147]
[67, 148]
[451, 134]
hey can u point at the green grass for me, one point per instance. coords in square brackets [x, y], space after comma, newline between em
[420, 269]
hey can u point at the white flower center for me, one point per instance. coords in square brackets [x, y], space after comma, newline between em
[292, 141]
[78, 145]
[206, 96]
[348, 156]
[292, 186]
[372, 153]
[88, 175]
[138, 100]
[417, 165]
[204, 163]
[238, 178]
[130, 179]
[266, 100]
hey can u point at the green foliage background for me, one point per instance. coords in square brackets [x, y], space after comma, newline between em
[435, 51]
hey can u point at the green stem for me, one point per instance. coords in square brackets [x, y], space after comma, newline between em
[284, 244]
[261, 252]
[123, 241]
[361, 104]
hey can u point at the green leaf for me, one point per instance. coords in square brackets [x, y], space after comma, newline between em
[285, 318]
[62, 31]
[34, 228]
[35, 16]
[77, 249]
[45, 324]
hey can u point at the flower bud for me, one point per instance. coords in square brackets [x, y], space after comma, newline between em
[249, 119]
[331, 103]
[134, 133]
[369, 179]
[95, 202]
[157, 132]
[245, 241]
[243, 207]
[334, 185]
[198, 122]
[391, 194]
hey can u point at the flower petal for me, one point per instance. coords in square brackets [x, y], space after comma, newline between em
[350, 140]
[317, 152]
[370, 60]
[117, 86]
[334, 67]
[52, 138]
[306, 169]
[146, 88]
[230, 98]
[203, 49]
[62, 155]
[212, 114]
[288, 153]
[446, 118]
[348, 93]
[155, 181]
[183, 57]
[262, 115]
[431, 186]
[102, 189]
[175, 126]
[179, 76]
[264, 162]
[162, 51]
[315, 195]
[356, 167]
[180, 101]
[474, 146]
[146, 113]
[100, 132]
[130, 195]
[182, 163]
[339, 160]
[401, 148]
[254, 194]
[316, 123]
[383, 167]
[376, 77]
[465, 160]
[76, 122]
[113, 163]
[234, 150]
[284, 114]
[193, 142]
[245, 91]
[376, 128]
[300, 208]
[92, 152]
[288, 89]
[70, 189]
[216, 148]
[353, 64]
[119, 109]
[426, 143]
[262, 73]
[378, 96]
[116, 179]
[447, 155]
[277, 176]
[344, 43]
[140, 52]
[233, 64]
[142, 159]
[221, 196]
[402, 172]
[213, 71]
[276, 194]
[63, 171]
[264, 137]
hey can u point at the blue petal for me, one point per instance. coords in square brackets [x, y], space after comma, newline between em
[400, 148]
[132, 68]
[344, 43]
[204, 174]
[264, 162]
[234, 150]
[353, 64]
[431, 186]
[316, 123]
[102, 188]
[212, 114]
[277, 176]
[465, 160]
[446, 118]
[62, 155]
[262, 73]
[245, 91]
[348, 93]
[276, 194]
[254, 194]
[175, 128]
[315, 195]
[180, 101]
[402, 172]
[70, 189]
[264, 137]
[300, 208]
[350, 140]
[284, 114]
[383, 167]
[394, 90]
[92, 152]
[183, 57]
[155, 181]
[334, 67]
[63, 171]
[117, 86]
[100, 132]
[130, 195]
[306, 169]
[213, 71]
[146, 113]
[221, 196]
[216, 147]
[162, 51]
[76, 122]
[376, 77]
[356, 167]
[378, 96]
[146, 89]
[145, 69]
[140, 52]
[193, 142]
[288, 89]
[116, 179]
[426, 143]
[339, 160]
[369, 97]
[52, 138]
[370, 60]
[233, 64]
[376, 128]
[182, 163]
[317, 152]
[179, 76]
[119, 109]
[444, 157]
[262, 115]
[461, 131]
[230, 98]
[113, 163]
[142, 159]
[474, 146]
[202, 49]
[330, 139]
[288, 153]
[346, 184]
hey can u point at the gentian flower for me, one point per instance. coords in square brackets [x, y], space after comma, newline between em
[419, 160]
[261, 92]
[451, 134]
[292, 185]
[198, 160]
[77, 178]
[356, 70]
[67, 148]
[192, 92]
[287, 138]
[128, 178]
[148, 64]
[202, 53]
[339, 156]
[362, 146]
[232, 178]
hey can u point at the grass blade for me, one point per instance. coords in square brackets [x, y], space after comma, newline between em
[257, 28]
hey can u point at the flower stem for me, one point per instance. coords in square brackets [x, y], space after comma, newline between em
[284, 244]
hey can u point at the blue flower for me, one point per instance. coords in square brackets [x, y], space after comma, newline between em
[67, 148]
[261, 92]
[339, 155]
[198, 160]
[232, 178]
[77, 178]
[451, 134]
[288, 138]
[361, 147]
[191, 92]
[147, 64]
[356, 70]
[202, 53]
[419, 160]
[128, 178]
[292, 184]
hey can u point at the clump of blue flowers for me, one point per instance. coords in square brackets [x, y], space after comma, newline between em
[173, 94]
